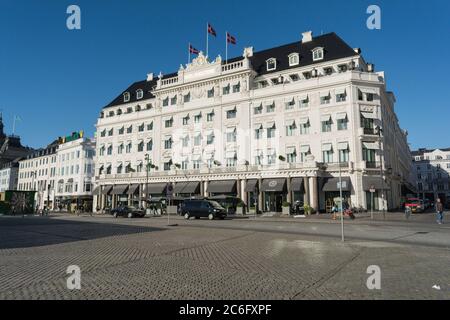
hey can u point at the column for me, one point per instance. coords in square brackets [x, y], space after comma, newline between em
[205, 188]
[244, 193]
[260, 196]
[306, 195]
[238, 188]
[314, 194]
[289, 190]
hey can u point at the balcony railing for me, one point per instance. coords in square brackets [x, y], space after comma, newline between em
[372, 165]
[369, 131]
[232, 66]
[169, 81]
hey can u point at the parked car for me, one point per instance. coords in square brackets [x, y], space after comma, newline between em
[427, 204]
[416, 205]
[203, 208]
[127, 211]
[228, 202]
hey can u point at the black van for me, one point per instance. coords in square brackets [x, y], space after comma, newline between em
[203, 208]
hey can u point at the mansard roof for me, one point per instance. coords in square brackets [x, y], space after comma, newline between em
[334, 48]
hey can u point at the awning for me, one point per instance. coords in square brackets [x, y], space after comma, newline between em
[192, 187]
[290, 149]
[332, 184]
[210, 133]
[305, 149]
[303, 97]
[198, 114]
[156, 188]
[375, 182]
[324, 94]
[341, 116]
[179, 186]
[70, 180]
[230, 154]
[270, 124]
[258, 126]
[340, 91]
[371, 145]
[106, 189]
[327, 147]
[368, 115]
[230, 130]
[119, 189]
[225, 186]
[297, 185]
[325, 117]
[251, 185]
[342, 146]
[167, 118]
[368, 90]
[273, 185]
[134, 188]
[197, 157]
[96, 190]
[304, 120]
[290, 122]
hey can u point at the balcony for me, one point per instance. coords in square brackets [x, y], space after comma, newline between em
[369, 131]
[372, 165]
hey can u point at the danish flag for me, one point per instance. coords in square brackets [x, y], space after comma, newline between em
[231, 39]
[193, 50]
[211, 30]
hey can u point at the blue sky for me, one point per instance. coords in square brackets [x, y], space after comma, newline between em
[58, 80]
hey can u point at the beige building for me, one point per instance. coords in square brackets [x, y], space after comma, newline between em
[271, 126]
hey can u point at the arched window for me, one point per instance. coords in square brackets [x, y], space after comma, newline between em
[317, 54]
[271, 64]
[139, 94]
[126, 97]
[293, 59]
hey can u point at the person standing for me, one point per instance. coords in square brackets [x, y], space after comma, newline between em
[439, 211]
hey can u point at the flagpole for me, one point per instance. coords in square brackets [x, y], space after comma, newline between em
[207, 38]
[14, 125]
[189, 53]
[226, 47]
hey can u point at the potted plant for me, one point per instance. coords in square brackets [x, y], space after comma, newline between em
[240, 208]
[286, 208]
[307, 209]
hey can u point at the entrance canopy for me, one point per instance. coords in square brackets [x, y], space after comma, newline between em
[273, 185]
[375, 182]
[226, 186]
[119, 189]
[298, 185]
[332, 184]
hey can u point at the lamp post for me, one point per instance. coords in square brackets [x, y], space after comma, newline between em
[341, 202]
[379, 132]
[48, 197]
[147, 169]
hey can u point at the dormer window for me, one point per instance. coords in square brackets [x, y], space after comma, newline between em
[271, 64]
[139, 94]
[126, 97]
[317, 54]
[293, 59]
[137, 108]
[119, 112]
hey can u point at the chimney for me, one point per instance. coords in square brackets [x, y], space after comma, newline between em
[307, 36]
[150, 76]
[357, 50]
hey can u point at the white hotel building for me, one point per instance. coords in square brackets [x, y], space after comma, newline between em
[61, 174]
[271, 126]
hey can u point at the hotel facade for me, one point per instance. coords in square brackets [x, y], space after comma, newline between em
[61, 174]
[269, 127]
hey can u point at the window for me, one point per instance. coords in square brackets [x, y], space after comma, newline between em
[165, 102]
[168, 123]
[102, 134]
[130, 129]
[270, 107]
[343, 155]
[342, 68]
[291, 157]
[304, 102]
[317, 54]
[119, 112]
[231, 160]
[226, 90]
[294, 77]
[369, 96]
[271, 64]
[231, 135]
[101, 151]
[271, 132]
[231, 114]
[197, 140]
[327, 153]
[210, 116]
[328, 71]
[139, 94]
[325, 99]
[168, 143]
[141, 146]
[109, 170]
[290, 104]
[128, 148]
[341, 97]
[271, 156]
[326, 125]
[293, 59]
[197, 118]
[141, 128]
[187, 97]
[211, 93]
[263, 84]
[290, 129]
[150, 126]
[258, 109]
[150, 145]
[129, 110]
[259, 133]
[307, 75]
[210, 138]
[196, 164]
[369, 155]
[186, 120]
[126, 97]
[237, 87]
[258, 158]
[121, 130]
[173, 100]
[119, 169]
[137, 108]
[184, 165]
[342, 123]
[148, 106]
[110, 148]
[167, 165]
[139, 167]
[120, 148]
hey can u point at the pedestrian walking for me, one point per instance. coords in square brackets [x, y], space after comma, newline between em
[439, 211]
[407, 212]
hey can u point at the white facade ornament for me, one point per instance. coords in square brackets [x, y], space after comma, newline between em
[248, 52]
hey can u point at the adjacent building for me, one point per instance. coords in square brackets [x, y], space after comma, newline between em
[9, 175]
[432, 173]
[270, 126]
[11, 148]
[61, 174]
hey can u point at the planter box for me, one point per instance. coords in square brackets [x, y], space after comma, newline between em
[286, 210]
[172, 209]
[240, 211]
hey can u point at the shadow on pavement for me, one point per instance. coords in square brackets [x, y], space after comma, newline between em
[18, 232]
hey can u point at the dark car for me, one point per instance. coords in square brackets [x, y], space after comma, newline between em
[203, 208]
[127, 211]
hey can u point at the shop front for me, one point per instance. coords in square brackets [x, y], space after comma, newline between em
[298, 190]
[374, 199]
[224, 187]
[252, 189]
[187, 189]
[119, 191]
[274, 194]
[108, 198]
[332, 188]
[134, 195]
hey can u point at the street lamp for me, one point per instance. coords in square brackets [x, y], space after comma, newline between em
[379, 132]
[341, 202]
[147, 169]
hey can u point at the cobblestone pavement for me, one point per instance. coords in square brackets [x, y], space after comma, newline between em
[200, 259]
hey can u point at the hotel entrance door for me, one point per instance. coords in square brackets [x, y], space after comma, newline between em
[273, 201]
